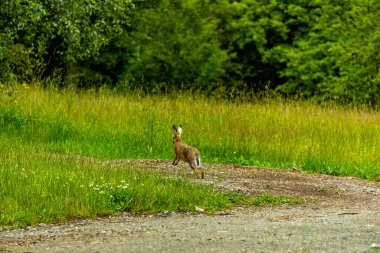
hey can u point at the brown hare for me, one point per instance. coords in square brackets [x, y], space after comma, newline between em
[186, 153]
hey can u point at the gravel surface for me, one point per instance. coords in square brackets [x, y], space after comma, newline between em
[341, 214]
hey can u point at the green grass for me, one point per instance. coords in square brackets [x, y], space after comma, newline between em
[266, 199]
[44, 188]
[268, 132]
[38, 186]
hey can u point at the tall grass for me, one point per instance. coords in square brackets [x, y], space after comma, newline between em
[267, 132]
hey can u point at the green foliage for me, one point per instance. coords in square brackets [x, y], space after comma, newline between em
[320, 48]
[337, 58]
[253, 28]
[39, 38]
[175, 43]
[206, 45]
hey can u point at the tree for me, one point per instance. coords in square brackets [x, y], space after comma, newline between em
[337, 58]
[174, 44]
[43, 36]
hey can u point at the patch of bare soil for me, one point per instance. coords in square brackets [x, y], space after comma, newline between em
[341, 214]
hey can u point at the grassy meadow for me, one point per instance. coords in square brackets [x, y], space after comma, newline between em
[269, 132]
[41, 188]
[36, 123]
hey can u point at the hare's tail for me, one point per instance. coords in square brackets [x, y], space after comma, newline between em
[198, 161]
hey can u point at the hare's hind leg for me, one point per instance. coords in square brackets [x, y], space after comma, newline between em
[202, 173]
[194, 168]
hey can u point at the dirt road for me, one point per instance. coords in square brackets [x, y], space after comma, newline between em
[341, 214]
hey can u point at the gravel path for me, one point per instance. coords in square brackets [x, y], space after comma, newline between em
[341, 214]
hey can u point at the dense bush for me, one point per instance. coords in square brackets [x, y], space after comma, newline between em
[40, 38]
[337, 58]
[326, 49]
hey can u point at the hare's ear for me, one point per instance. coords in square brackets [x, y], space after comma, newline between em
[175, 130]
[179, 130]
